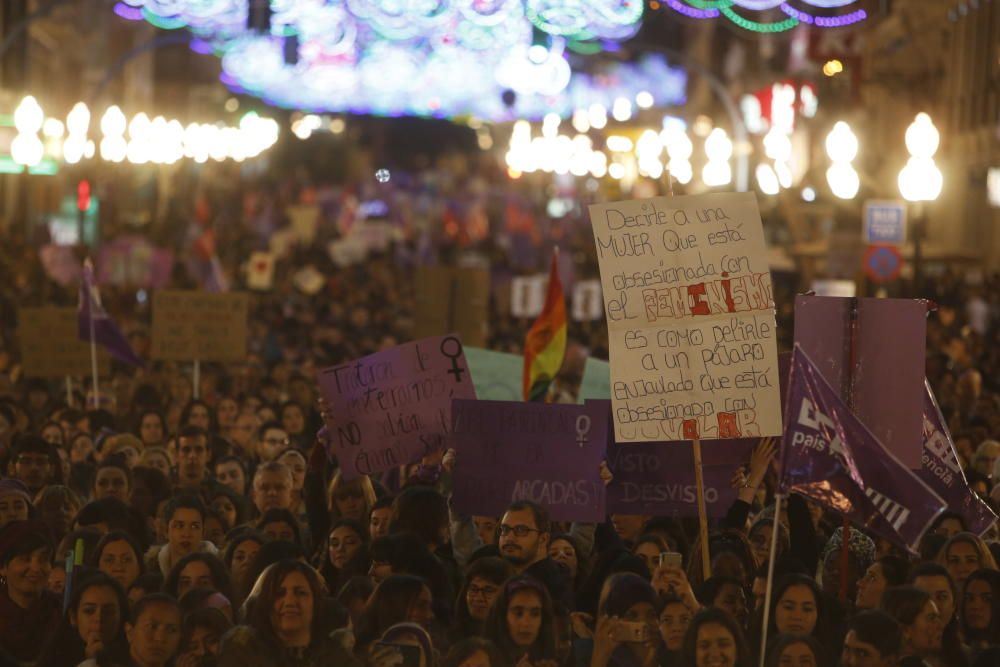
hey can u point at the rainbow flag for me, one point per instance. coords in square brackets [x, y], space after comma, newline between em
[545, 344]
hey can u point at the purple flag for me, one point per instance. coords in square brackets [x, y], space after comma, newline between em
[828, 455]
[91, 316]
[943, 473]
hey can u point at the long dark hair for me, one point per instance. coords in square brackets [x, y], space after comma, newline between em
[689, 651]
[387, 606]
[220, 576]
[904, 603]
[823, 631]
[357, 565]
[778, 645]
[259, 617]
[992, 632]
[498, 632]
[94, 559]
[66, 648]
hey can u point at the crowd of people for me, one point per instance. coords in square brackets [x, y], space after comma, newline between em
[160, 529]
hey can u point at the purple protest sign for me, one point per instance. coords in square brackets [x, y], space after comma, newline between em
[131, 261]
[393, 407]
[828, 455]
[657, 478]
[544, 452]
[943, 473]
[888, 337]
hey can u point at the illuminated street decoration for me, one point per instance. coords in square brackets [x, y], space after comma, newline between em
[421, 57]
[773, 15]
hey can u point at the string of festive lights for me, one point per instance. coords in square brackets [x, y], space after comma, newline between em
[767, 22]
[420, 57]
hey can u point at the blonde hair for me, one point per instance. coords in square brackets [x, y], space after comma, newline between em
[363, 483]
[986, 560]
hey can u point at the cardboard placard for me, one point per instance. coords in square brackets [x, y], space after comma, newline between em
[393, 407]
[887, 379]
[50, 347]
[688, 297]
[509, 451]
[453, 299]
[191, 325]
[260, 271]
[658, 478]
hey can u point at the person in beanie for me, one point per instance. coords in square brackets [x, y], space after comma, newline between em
[15, 504]
[28, 611]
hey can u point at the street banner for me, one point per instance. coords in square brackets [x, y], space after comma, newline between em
[688, 297]
[828, 455]
[546, 453]
[50, 347]
[943, 473]
[394, 406]
[191, 325]
[496, 375]
[884, 374]
[658, 478]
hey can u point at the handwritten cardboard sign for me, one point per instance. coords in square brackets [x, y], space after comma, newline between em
[509, 451]
[206, 326]
[393, 407]
[657, 478]
[688, 297]
[453, 299]
[50, 347]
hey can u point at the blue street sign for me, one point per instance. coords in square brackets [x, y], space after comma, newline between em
[885, 222]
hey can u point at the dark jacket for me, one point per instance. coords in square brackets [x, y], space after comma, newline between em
[244, 647]
[23, 631]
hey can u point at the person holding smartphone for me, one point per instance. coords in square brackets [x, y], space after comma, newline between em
[626, 634]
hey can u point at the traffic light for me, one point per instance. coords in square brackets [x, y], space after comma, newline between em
[83, 196]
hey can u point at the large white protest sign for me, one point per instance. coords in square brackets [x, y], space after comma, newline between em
[527, 295]
[587, 303]
[690, 312]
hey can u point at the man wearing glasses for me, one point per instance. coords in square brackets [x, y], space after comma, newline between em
[34, 463]
[525, 531]
[272, 443]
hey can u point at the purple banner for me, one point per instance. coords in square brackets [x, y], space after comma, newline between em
[657, 478]
[887, 375]
[544, 452]
[130, 261]
[828, 455]
[943, 473]
[393, 407]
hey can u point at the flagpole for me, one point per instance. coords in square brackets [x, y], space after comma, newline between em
[69, 391]
[93, 354]
[770, 576]
[197, 379]
[699, 481]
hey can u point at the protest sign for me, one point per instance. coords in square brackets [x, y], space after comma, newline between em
[828, 454]
[596, 383]
[496, 375]
[191, 325]
[687, 292]
[546, 453]
[452, 299]
[587, 303]
[132, 261]
[260, 271]
[303, 220]
[943, 473]
[60, 264]
[49, 344]
[658, 479]
[883, 374]
[394, 406]
[527, 295]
